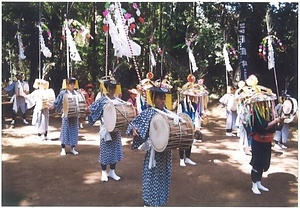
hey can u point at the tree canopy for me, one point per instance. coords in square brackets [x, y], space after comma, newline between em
[163, 27]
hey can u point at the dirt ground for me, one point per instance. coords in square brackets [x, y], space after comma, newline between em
[34, 173]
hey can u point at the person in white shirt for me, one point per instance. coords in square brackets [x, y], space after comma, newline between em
[228, 100]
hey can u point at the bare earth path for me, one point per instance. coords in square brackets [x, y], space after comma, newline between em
[34, 174]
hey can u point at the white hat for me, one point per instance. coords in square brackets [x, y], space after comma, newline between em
[133, 91]
[289, 109]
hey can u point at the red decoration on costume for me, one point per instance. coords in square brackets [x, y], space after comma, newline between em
[150, 75]
[191, 78]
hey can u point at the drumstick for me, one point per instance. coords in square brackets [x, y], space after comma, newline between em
[128, 122]
[122, 115]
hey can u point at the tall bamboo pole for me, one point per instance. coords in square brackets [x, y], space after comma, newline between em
[40, 59]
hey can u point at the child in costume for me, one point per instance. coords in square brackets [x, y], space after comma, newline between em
[111, 150]
[69, 126]
[157, 166]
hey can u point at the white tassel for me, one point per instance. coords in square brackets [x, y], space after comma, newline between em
[119, 36]
[21, 47]
[152, 162]
[152, 59]
[74, 55]
[46, 52]
[226, 59]
[271, 59]
[269, 22]
[192, 59]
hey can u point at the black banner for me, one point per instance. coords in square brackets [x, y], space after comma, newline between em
[243, 51]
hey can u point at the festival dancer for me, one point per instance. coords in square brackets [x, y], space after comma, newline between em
[41, 101]
[242, 116]
[262, 120]
[111, 150]
[157, 166]
[263, 133]
[188, 106]
[69, 127]
[18, 90]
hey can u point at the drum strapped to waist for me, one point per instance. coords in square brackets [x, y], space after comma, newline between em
[74, 105]
[47, 97]
[117, 117]
[164, 133]
[289, 109]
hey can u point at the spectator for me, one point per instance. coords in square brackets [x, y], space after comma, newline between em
[228, 101]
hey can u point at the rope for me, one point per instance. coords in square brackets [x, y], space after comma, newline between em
[128, 41]
[276, 84]
[130, 48]
[106, 55]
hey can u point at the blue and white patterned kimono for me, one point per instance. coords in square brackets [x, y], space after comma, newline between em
[157, 179]
[69, 126]
[111, 151]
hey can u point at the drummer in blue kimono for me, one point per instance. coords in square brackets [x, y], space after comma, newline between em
[157, 166]
[69, 126]
[189, 107]
[18, 91]
[111, 150]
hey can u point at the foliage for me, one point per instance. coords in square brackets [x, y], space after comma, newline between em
[167, 26]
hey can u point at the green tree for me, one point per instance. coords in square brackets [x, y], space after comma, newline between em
[167, 24]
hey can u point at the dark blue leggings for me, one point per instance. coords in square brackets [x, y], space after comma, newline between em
[187, 152]
[112, 166]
